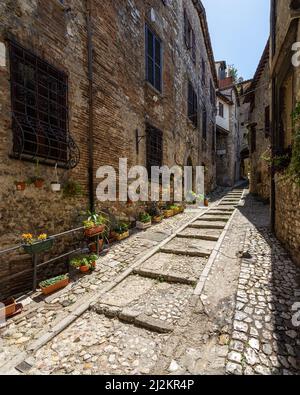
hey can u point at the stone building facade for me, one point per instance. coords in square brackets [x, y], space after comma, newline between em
[258, 97]
[228, 129]
[84, 83]
[285, 94]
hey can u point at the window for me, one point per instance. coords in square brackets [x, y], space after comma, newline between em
[192, 105]
[221, 110]
[189, 37]
[204, 123]
[267, 121]
[154, 147]
[153, 59]
[40, 110]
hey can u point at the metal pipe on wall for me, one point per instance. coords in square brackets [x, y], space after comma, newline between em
[91, 105]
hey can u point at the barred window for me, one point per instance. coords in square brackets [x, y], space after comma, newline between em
[40, 110]
[154, 151]
[192, 105]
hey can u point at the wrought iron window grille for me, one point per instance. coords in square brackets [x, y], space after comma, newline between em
[39, 98]
[154, 147]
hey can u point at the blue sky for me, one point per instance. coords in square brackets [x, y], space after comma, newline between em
[239, 30]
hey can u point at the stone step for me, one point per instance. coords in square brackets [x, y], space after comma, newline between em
[213, 218]
[227, 206]
[190, 247]
[145, 302]
[201, 234]
[215, 213]
[168, 277]
[224, 208]
[173, 268]
[208, 225]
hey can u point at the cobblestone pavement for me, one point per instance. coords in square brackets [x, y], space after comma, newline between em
[42, 314]
[155, 322]
[264, 339]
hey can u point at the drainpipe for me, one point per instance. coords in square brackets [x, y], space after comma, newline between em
[91, 102]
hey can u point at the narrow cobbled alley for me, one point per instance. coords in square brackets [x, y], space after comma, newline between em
[206, 292]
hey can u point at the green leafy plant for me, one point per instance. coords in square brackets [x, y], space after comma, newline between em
[84, 260]
[121, 228]
[72, 189]
[154, 210]
[94, 220]
[144, 218]
[52, 281]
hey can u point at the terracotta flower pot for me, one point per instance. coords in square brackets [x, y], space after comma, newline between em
[9, 308]
[96, 230]
[39, 183]
[20, 186]
[206, 202]
[84, 269]
[54, 287]
[93, 246]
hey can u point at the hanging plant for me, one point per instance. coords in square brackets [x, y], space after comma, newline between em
[55, 185]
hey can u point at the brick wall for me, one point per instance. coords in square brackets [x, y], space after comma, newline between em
[123, 102]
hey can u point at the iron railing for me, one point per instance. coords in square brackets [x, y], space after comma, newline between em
[35, 257]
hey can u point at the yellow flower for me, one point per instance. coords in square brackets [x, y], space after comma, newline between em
[42, 237]
[27, 236]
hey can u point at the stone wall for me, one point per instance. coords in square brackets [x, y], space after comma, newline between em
[288, 215]
[123, 102]
[287, 193]
[260, 181]
[228, 165]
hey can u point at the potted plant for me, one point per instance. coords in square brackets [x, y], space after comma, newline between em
[94, 225]
[168, 211]
[93, 246]
[175, 208]
[55, 185]
[72, 189]
[20, 185]
[54, 284]
[206, 201]
[144, 221]
[84, 263]
[37, 180]
[121, 232]
[35, 245]
[10, 308]
[155, 213]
